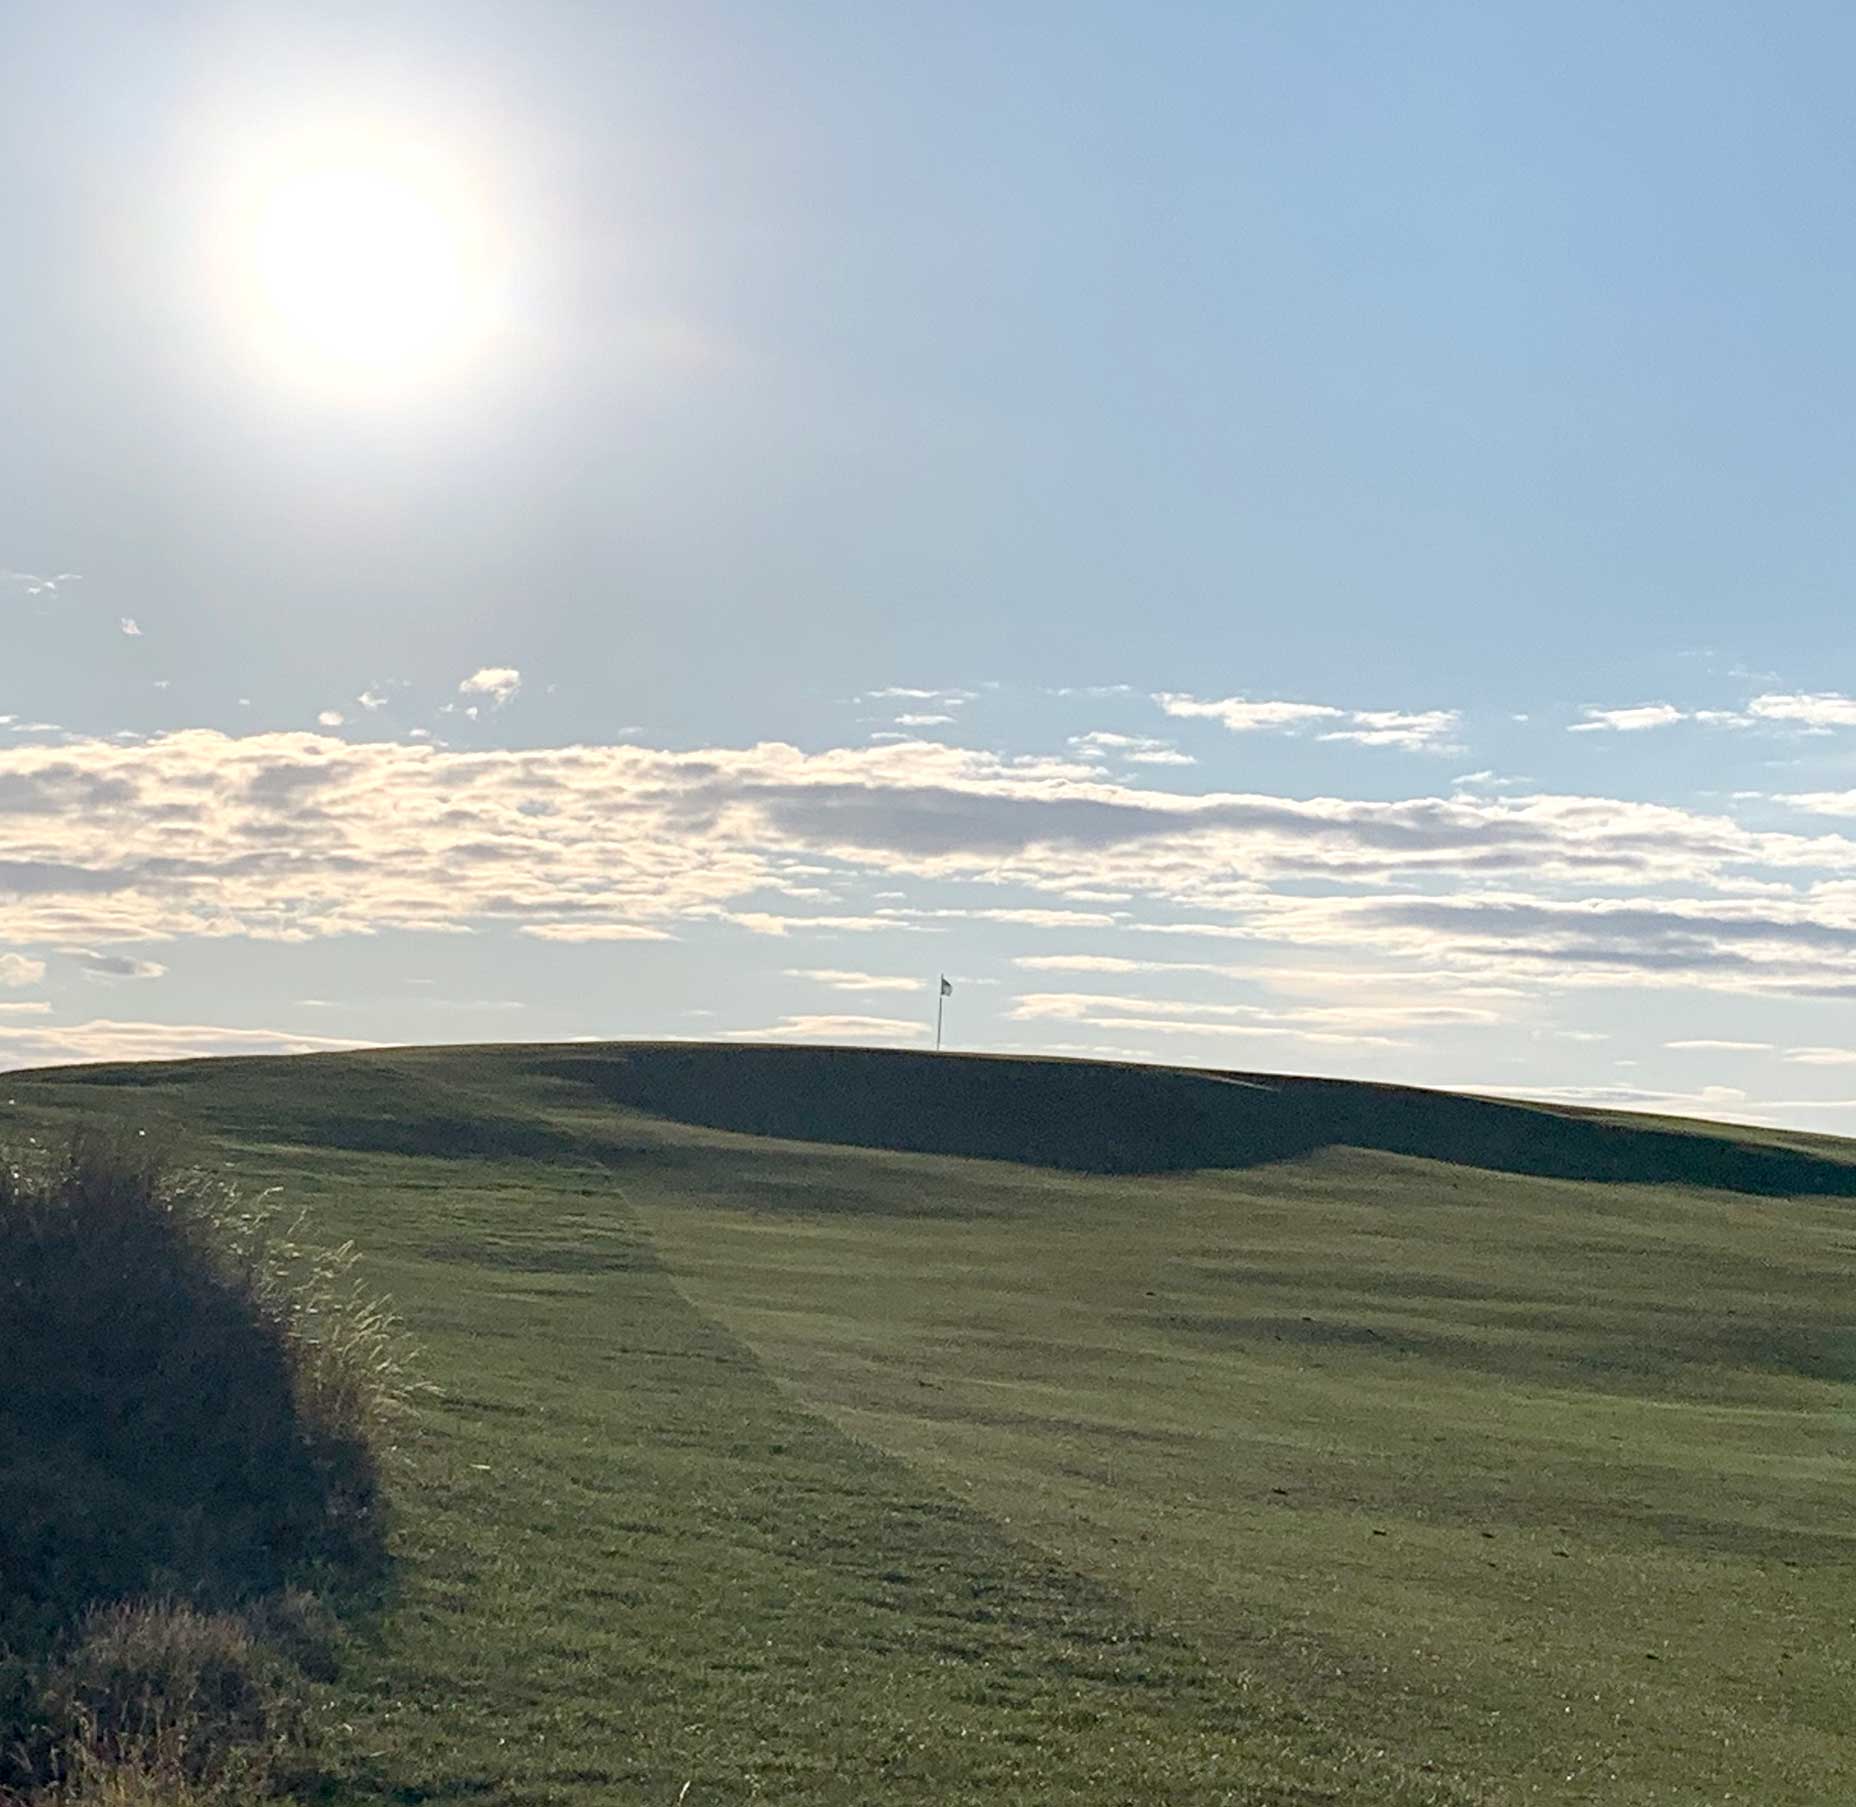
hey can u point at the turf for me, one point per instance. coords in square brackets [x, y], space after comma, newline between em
[1269, 1441]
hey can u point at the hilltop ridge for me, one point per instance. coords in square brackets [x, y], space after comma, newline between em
[1077, 1115]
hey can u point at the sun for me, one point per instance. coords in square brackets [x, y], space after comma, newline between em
[367, 266]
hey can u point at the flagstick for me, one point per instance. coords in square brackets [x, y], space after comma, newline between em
[940, 1010]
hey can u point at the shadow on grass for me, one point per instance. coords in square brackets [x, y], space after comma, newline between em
[1091, 1117]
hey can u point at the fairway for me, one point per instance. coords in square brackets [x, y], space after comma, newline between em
[1245, 1440]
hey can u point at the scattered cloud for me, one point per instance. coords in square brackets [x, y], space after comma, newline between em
[497, 683]
[16, 970]
[1024, 918]
[303, 836]
[130, 627]
[1821, 1057]
[855, 981]
[1428, 730]
[1714, 1045]
[765, 922]
[1115, 963]
[1135, 749]
[922, 721]
[1634, 720]
[35, 585]
[1244, 717]
[594, 931]
[1819, 709]
[331, 718]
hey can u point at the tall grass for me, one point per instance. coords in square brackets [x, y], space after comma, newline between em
[198, 1405]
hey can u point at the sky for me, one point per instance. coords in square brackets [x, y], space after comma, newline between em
[1258, 536]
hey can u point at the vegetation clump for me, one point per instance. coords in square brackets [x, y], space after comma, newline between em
[191, 1445]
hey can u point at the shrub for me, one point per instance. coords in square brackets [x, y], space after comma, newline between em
[196, 1408]
[185, 1700]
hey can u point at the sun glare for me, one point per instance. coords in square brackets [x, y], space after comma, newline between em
[367, 268]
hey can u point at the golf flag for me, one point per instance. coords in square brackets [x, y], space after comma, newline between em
[947, 986]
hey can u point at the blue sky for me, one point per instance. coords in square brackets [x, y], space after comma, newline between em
[1267, 536]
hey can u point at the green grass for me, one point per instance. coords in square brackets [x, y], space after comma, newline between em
[1383, 1460]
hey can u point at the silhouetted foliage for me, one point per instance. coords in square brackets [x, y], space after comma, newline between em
[192, 1414]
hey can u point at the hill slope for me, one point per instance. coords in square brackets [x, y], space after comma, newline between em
[1270, 1440]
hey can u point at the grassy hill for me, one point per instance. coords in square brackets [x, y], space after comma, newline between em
[833, 1425]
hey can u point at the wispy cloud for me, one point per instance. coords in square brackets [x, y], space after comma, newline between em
[1707, 1044]
[105, 1040]
[1116, 963]
[1820, 709]
[838, 980]
[1425, 730]
[131, 628]
[113, 966]
[1135, 749]
[832, 1028]
[1633, 720]
[16, 970]
[1245, 717]
[33, 584]
[594, 931]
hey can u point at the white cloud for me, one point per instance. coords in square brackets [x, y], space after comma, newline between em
[594, 931]
[855, 981]
[36, 1007]
[1136, 749]
[496, 682]
[1820, 709]
[765, 922]
[1821, 803]
[35, 585]
[1713, 1045]
[373, 699]
[1025, 918]
[130, 628]
[1115, 963]
[1634, 720]
[16, 970]
[1244, 717]
[331, 718]
[300, 836]
[1427, 730]
[1822, 1057]
[922, 721]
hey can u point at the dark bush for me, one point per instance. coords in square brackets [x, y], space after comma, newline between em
[192, 1413]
